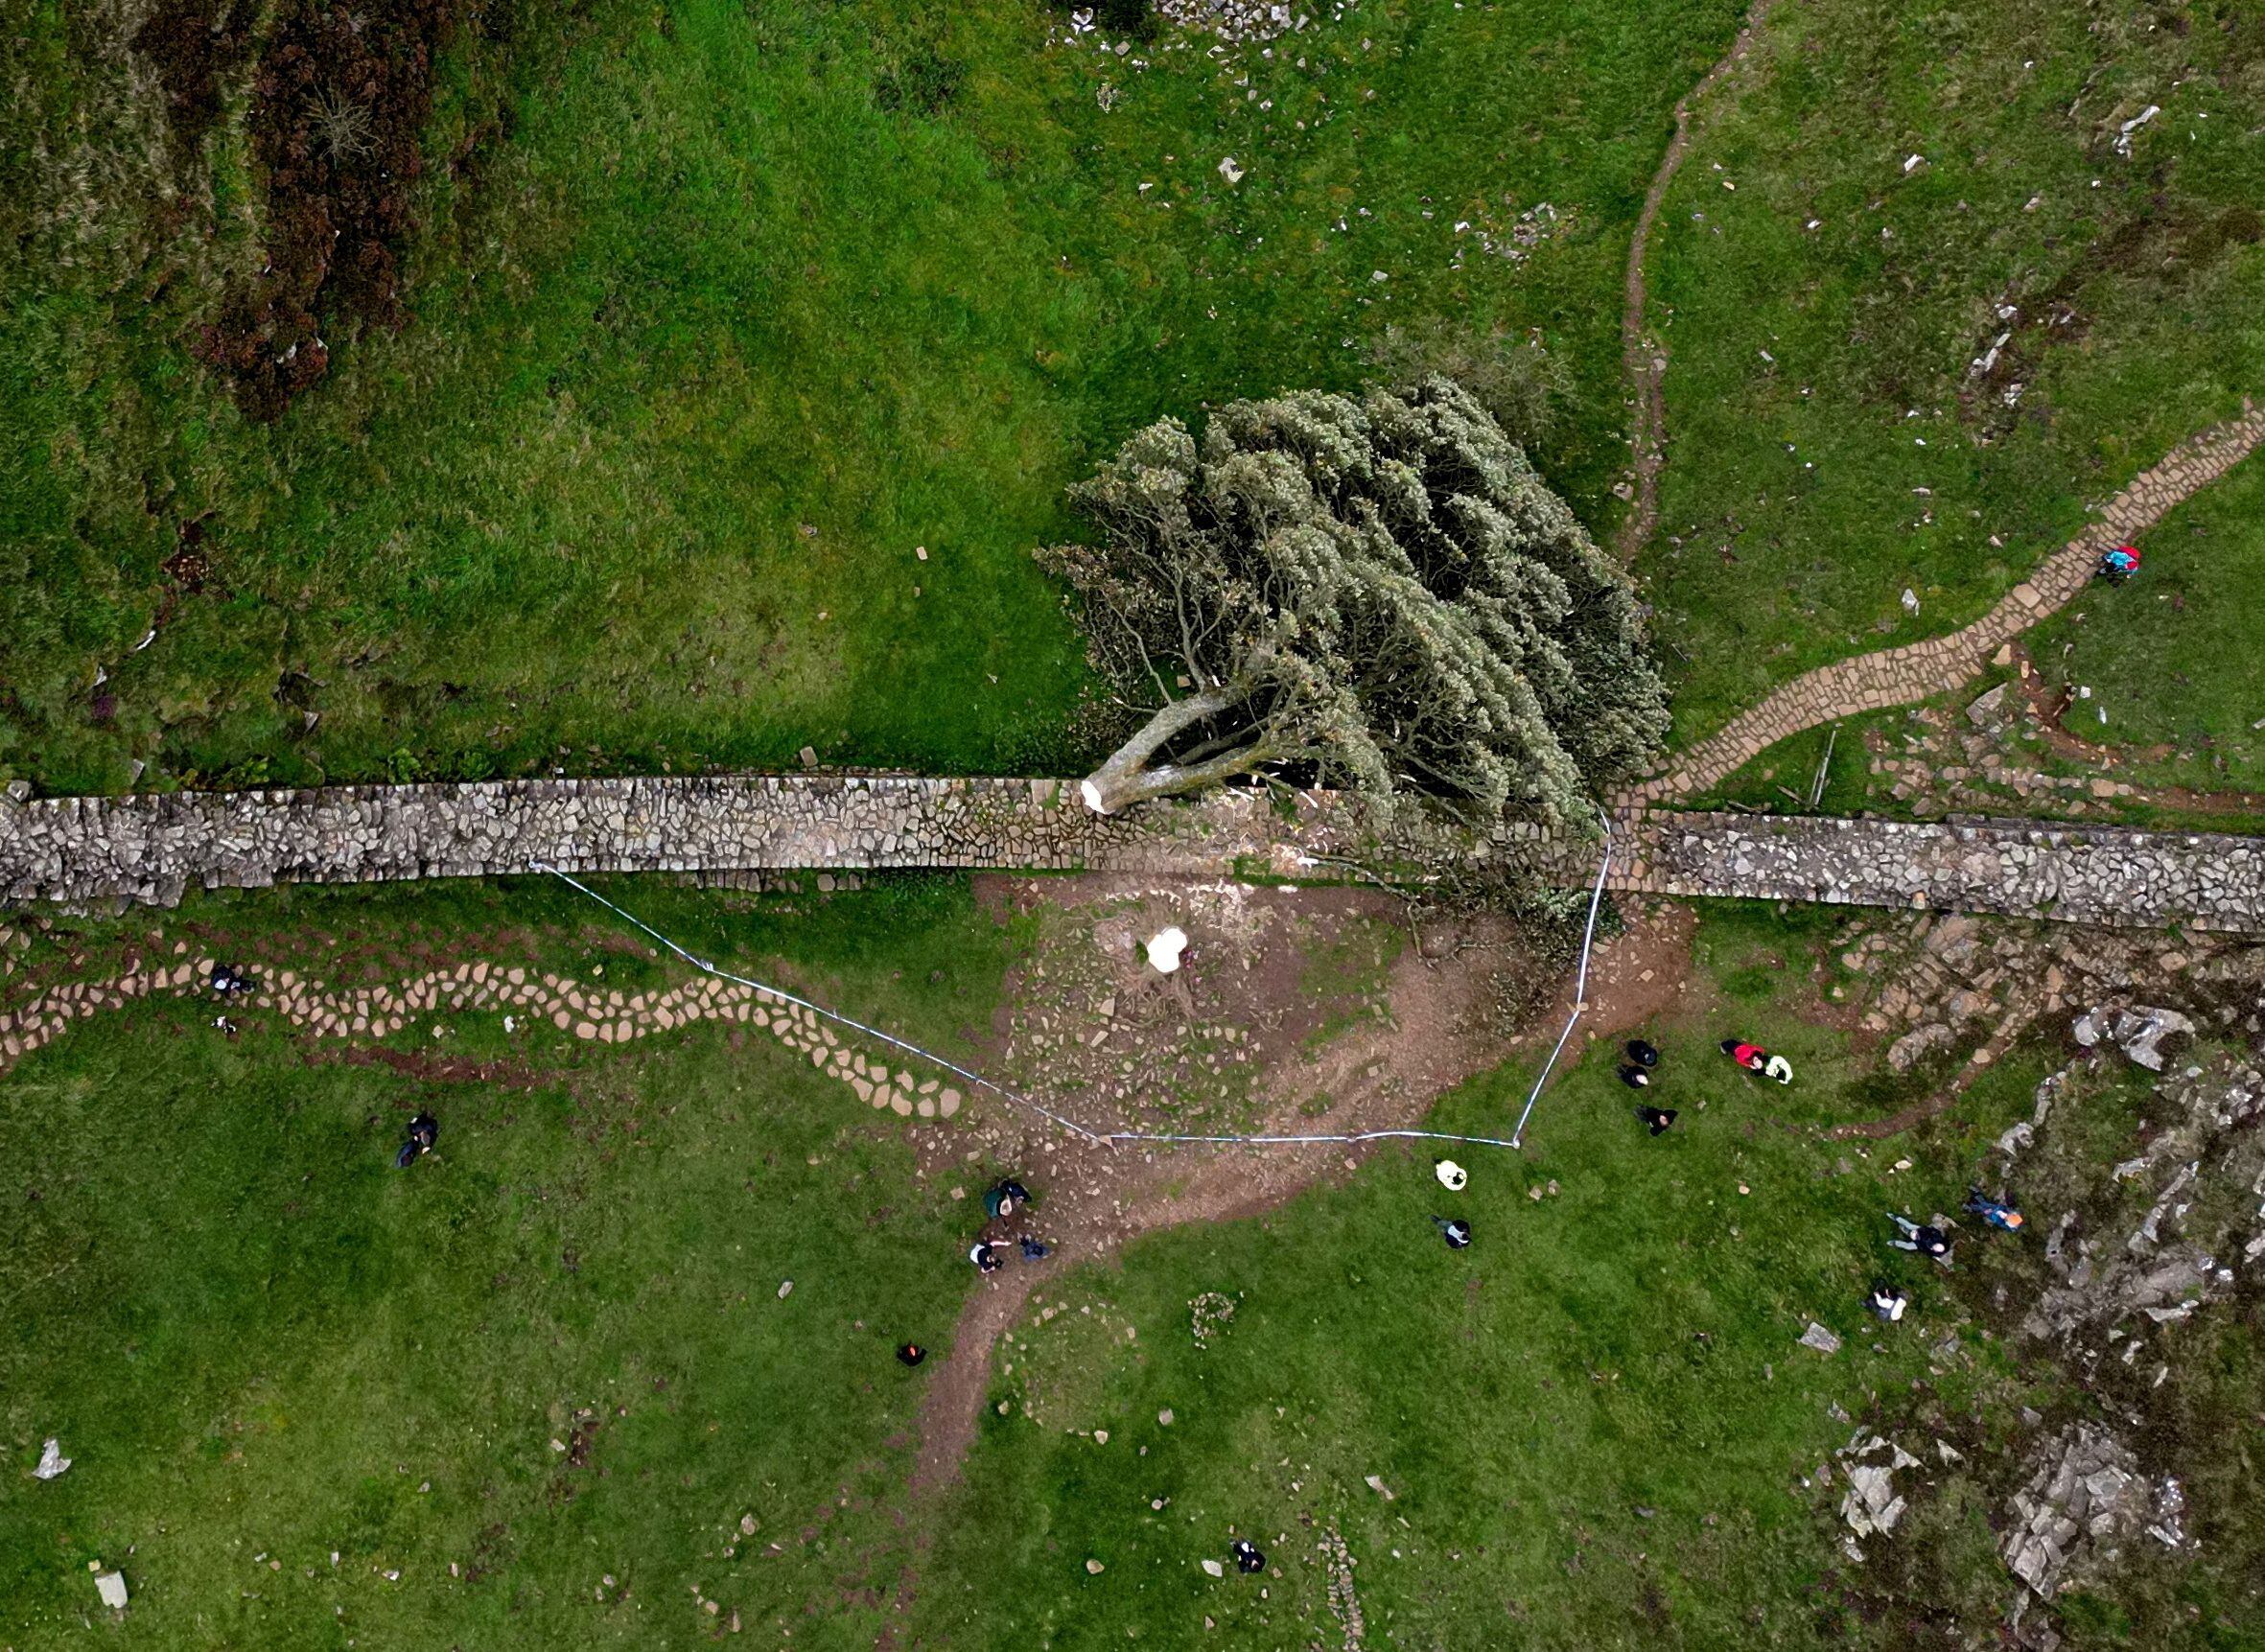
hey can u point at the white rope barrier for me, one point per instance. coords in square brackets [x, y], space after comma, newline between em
[1109, 1137]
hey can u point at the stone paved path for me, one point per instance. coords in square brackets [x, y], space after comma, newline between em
[590, 1011]
[1920, 670]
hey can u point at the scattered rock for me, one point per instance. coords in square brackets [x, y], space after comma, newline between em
[1094, 1566]
[1817, 1336]
[52, 1461]
[1913, 1047]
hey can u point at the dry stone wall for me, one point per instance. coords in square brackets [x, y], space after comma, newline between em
[89, 852]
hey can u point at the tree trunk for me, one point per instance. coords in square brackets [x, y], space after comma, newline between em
[1127, 779]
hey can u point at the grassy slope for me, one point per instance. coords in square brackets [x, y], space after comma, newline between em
[2172, 657]
[1876, 313]
[709, 297]
[259, 1341]
[1627, 1345]
[257, 1338]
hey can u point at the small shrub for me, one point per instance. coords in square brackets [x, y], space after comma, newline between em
[925, 83]
[1520, 384]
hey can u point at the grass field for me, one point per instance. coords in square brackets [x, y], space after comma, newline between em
[748, 304]
[2171, 659]
[261, 1344]
[311, 1400]
[1838, 251]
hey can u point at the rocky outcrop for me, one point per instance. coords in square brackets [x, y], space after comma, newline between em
[2086, 1500]
[2202, 1226]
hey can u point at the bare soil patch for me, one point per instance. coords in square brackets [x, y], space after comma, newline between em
[1329, 1062]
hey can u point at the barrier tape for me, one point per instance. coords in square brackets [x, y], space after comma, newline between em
[1109, 1137]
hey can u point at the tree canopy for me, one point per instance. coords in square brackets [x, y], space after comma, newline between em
[1377, 591]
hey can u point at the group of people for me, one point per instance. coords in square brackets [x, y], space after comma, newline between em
[1929, 1240]
[1002, 1202]
[1644, 1059]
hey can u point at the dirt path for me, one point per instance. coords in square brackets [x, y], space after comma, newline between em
[1644, 357]
[1921, 670]
[1380, 1076]
[2048, 713]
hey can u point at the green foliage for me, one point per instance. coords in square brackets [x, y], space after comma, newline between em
[1380, 590]
[1522, 386]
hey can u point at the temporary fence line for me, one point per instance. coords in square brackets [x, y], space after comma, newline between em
[1105, 1137]
[1580, 986]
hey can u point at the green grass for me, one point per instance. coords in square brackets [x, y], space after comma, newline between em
[2171, 658]
[1819, 376]
[1593, 1421]
[260, 1343]
[713, 340]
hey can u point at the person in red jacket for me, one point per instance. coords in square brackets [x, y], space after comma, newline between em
[1751, 1056]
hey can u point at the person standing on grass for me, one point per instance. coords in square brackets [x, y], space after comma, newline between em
[1635, 1077]
[1888, 1302]
[1657, 1118]
[423, 1131]
[1643, 1054]
[1456, 1231]
[1751, 1056]
[1924, 1238]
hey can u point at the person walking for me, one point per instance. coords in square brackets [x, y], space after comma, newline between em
[985, 1259]
[1249, 1556]
[1642, 1053]
[1658, 1119]
[2118, 565]
[1924, 1238]
[1456, 1231]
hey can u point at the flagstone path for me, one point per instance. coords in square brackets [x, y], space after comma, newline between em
[1918, 670]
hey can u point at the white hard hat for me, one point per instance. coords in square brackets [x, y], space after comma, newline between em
[1451, 1175]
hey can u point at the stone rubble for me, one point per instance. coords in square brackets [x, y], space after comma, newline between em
[589, 1012]
[2086, 1500]
[1871, 1504]
[2207, 1155]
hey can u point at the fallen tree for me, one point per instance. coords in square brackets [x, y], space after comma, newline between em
[1377, 592]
